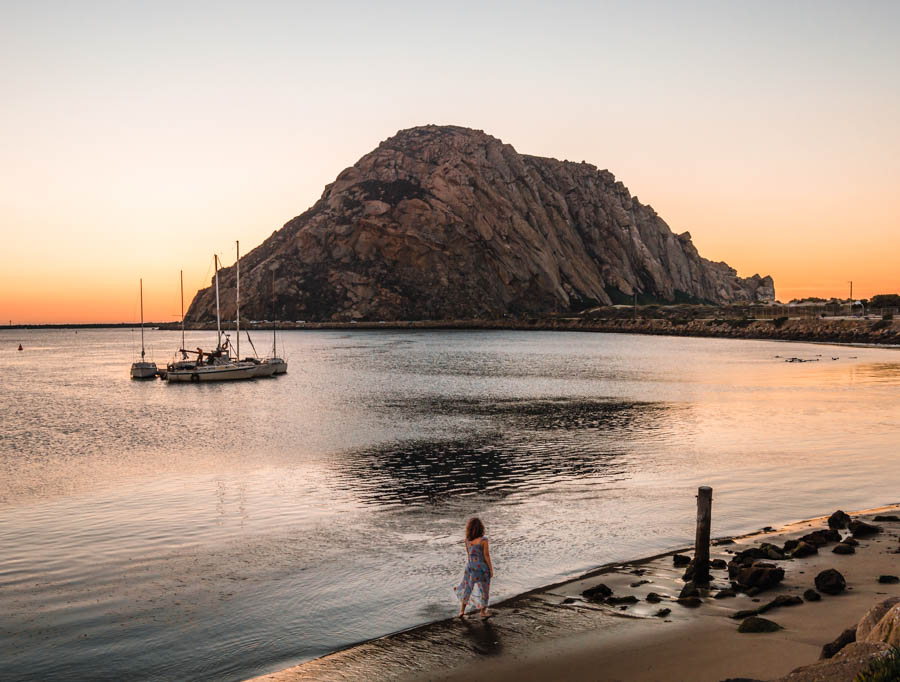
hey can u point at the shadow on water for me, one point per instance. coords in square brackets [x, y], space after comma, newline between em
[528, 444]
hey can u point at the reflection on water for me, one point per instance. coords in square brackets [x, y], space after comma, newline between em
[529, 444]
[220, 531]
[888, 372]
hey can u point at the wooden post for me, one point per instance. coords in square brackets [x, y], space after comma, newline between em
[701, 543]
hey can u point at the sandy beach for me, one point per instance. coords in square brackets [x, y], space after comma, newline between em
[556, 633]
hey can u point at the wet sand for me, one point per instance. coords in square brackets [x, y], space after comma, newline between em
[553, 633]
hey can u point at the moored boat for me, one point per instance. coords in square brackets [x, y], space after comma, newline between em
[193, 372]
[216, 365]
[142, 369]
[263, 367]
[279, 365]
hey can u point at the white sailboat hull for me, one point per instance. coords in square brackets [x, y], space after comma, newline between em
[212, 373]
[143, 370]
[264, 369]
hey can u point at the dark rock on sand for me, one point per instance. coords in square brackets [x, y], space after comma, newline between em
[718, 564]
[803, 549]
[779, 601]
[680, 560]
[846, 637]
[888, 579]
[745, 559]
[723, 541]
[724, 594]
[757, 624]
[771, 551]
[569, 600]
[689, 590]
[639, 583]
[653, 598]
[851, 541]
[662, 613]
[839, 519]
[811, 595]
[597, 593]
[629, 599]
[887, 517]
[744, 613]
[759, 575]
[862, 529]
[750, 555]
[690, 602]
[843, 548]
[830, 581]
[820, 538]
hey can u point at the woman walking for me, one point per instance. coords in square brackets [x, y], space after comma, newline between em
[479, 569]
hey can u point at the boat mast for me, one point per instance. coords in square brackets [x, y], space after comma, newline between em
[237, 245]
[274, 350]
[181, 275]
[142, 319]
[218, 322]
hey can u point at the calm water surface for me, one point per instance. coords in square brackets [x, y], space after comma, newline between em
[218, 531]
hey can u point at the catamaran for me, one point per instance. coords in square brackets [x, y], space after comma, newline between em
[142, 369]
[216, 365]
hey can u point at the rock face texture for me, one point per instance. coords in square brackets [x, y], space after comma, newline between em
[441, 222]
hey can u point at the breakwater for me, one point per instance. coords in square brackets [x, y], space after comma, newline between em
[814, 330]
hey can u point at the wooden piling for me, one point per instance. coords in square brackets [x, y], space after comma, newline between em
[701, 542]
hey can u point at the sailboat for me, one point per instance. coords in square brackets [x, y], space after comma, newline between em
[215, 365]
[142, 369]
[277, 364]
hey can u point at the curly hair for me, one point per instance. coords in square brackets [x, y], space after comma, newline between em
[474, 529]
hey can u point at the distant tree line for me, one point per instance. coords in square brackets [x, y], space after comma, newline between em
[885, 301]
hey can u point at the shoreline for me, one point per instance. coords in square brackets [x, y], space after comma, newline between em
[858, 332]
[505, 649]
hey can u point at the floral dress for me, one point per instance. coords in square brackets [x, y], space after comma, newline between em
[477, 573]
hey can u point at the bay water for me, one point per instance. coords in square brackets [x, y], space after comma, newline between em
[219, 531]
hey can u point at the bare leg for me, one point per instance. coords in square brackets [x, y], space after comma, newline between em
[485, 596]
[462, 609]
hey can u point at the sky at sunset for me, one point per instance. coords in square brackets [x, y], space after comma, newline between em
[137, 138]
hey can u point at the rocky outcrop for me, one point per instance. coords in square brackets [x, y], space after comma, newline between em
[858, 650]
[442, 222]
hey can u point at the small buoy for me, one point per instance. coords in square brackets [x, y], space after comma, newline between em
[20, 347]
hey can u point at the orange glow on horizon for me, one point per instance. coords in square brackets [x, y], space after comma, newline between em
[137, 143]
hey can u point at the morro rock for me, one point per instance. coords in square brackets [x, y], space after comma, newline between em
[443, 222]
